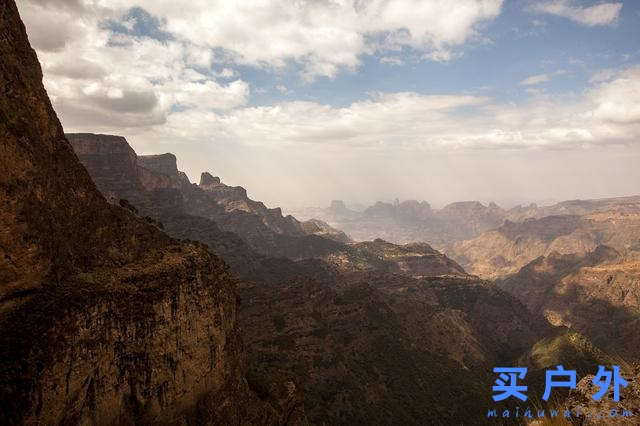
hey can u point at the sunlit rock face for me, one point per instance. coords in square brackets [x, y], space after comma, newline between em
[503, 251]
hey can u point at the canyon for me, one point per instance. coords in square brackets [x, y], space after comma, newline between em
[130, 295]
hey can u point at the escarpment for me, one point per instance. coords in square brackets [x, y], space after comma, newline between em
[103, 318]
[243, 231]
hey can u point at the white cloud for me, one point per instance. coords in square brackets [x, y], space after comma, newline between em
[283, 89]
[440, 55]
[227, 73]
[51, 29]
[607, 113]
[618, 101]
[604, 75]
[323, 36]
[535, 79]
[106, 77]
[101, 79]
[391, 60]
[598, 14]
[162, 88]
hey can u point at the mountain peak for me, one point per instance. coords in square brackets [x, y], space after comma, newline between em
[160, 163]
[207, 179]
[94, 143]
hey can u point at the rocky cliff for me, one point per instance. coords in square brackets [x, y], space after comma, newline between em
[596, 293]
[572, 207]
[503, 251]
[103, 318]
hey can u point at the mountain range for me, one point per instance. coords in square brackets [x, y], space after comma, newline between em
[411, 220]
[130, 295]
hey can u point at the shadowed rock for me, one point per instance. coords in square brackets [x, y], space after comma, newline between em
[103, 318]
[206, 179]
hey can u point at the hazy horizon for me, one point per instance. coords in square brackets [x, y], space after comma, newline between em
[509, 101]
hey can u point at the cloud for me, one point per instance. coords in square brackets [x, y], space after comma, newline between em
[79, 69]
[227, 73]
[618, 100]
[108, 68]
[323, 36]
[183, 89]
[134, 66]
[535, 79]
[604, 75]
[606, 114]
[129, 101]
[540, 78]
[391, 60]
[50, 29]
[599, 14]
[441, 55]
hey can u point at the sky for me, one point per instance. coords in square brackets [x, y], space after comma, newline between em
[302, 102]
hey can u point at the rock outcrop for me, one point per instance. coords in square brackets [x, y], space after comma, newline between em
[165, 164]
[624, 412]
[118, 175]
[207, 180]
[103, 318]
[573, 207]
[338, 209]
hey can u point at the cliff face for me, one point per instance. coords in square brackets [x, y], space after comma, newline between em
[155, 186]
[165, 164]
[116, 171]
[113, 173]
[573, 207]
[503, 251]
[155, 342]
[366, 342]
[103, 318]
[596, 293]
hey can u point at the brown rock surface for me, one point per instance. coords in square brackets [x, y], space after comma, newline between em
[386, 349]
[597, 294]
[611, 412]
[505, 250]
[103, 318]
